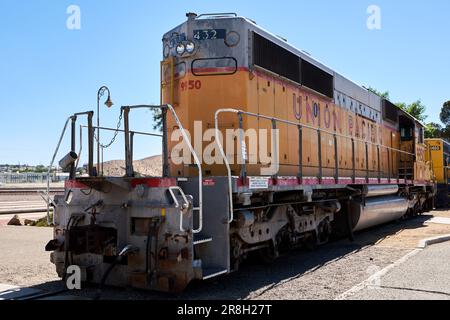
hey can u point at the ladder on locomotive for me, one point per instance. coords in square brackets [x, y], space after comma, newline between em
[211, 234]
[406, 166]
[211, 242]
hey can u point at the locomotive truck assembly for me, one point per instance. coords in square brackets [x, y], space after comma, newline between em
[345, 159]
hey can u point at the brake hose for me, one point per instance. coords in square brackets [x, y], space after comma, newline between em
[125, 251]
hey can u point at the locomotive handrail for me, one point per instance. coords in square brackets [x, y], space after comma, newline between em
[177, 204]
[221, 14]
[300, 126]
[51, 165]
[72, 118]
[191, 149]
[131, 131]
[231, 110]
[225, 159]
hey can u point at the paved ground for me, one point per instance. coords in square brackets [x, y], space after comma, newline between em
[424, 276]
[326, 273]
[23, 260]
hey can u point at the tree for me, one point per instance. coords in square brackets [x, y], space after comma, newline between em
[384, 95]
[434, 130]
[445, 114]
[416, 109]
[157, 119]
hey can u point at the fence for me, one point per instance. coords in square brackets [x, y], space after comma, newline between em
[15, 178]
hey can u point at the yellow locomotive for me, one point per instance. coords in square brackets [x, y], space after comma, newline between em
[438, 154]
[264, 149]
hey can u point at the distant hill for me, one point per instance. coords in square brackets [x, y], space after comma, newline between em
[147, 167]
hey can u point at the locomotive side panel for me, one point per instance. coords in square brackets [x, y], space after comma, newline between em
[355, 114]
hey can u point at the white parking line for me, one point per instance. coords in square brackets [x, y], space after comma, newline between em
[6, 287]
[372, 279]
[439, 220]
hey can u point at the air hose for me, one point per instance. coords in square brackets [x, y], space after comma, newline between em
[125, 251]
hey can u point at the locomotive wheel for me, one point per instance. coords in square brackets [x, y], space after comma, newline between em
[311, 242]
[324, 231]
[270, 253]
[267, 255]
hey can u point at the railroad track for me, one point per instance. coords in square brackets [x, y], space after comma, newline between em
[22, 207]
[24, 200]
[43, 295]
[24, 191]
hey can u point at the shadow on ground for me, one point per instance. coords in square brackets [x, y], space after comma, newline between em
[254, 276]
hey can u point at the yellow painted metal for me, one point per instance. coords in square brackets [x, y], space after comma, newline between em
[436, 155]
[198, 97]
[167, 82]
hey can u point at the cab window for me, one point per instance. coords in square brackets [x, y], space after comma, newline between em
[406, 133]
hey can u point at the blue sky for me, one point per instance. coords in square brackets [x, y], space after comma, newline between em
[48, 72]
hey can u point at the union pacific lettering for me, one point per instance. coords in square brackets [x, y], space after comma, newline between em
[358, 126]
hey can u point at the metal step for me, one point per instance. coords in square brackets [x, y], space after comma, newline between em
[212, 272]
[201, 239]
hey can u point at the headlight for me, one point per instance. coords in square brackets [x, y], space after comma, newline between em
[190, 47]
[180, 49]
[232, 39]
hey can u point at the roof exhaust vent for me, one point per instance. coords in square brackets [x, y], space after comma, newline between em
[191, 15]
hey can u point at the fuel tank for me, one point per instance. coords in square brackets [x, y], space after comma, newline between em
[376, 211]
[380, 190]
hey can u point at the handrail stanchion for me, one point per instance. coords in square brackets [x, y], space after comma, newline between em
[128, 164]
[50, 168]
[90, 144]
[165, 145]
[225, 159]
[300, 153]
[319, 153]
[379, 164]
[275, 152]
[367, 164]
[336, 160]
[243, 149]
[353, 161]
[389, 164]
[73, 146]
[132, 149]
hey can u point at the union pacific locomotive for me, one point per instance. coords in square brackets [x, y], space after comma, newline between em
[311, 155]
